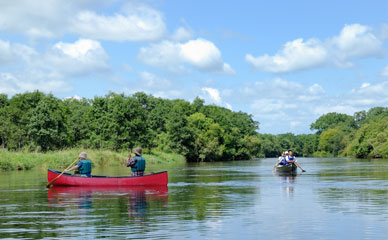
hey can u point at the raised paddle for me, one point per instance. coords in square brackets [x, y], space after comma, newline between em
[55, 179]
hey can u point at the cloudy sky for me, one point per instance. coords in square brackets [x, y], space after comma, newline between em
[284, 62]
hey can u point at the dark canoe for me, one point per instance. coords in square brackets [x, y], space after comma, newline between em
[154, 179]
[287, 169]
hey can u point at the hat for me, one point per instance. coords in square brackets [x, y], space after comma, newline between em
[286, 152]
[82, 155]
[137, 151]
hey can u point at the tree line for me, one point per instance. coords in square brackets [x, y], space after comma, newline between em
[34, 121]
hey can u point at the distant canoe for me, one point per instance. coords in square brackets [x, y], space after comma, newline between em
[287, 169]
[154, 179]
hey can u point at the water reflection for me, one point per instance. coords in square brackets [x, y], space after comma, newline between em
[136, 198]
[336, 199]
[288, 183]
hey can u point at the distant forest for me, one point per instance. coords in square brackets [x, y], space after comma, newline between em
[35, 121]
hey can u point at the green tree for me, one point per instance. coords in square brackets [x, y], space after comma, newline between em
[47, 125]
[3, 119]
[371, 140]
[332, 141]
[178, 133]
[332, 120]
[77, 124]
[18, 113]
[207, 138]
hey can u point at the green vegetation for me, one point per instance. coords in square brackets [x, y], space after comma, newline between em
[36, 122]
[10, 160]
[45, 125]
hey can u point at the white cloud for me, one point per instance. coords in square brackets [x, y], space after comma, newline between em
[316, 89]
[354, 41]
[294, 56]
[226, 68]
[29, 69]
[39, 19]
[82, 57]
[182, 34]
[378, 90]
[365, 85]
[384, 72]
[54, 18]
[213, 93]
[164, 54]
[75, 97]
[279, 107]
[141, 23]
[31, 81]
[5, 52]
[201, 54]
[10, 53]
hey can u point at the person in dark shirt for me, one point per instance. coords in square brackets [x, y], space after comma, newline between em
[137, 163]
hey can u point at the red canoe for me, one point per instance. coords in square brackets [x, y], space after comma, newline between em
[154, 179]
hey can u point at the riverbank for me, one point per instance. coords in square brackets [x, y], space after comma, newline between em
[10, 160]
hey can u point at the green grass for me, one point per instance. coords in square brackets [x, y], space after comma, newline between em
[10, 160]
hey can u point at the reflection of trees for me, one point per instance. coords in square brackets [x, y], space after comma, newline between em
[356, 186]
[363, 200]
[355, 170]
[212, 192]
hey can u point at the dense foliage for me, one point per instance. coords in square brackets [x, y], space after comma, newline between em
[36, 121]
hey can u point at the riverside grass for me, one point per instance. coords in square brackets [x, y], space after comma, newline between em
[18, 160]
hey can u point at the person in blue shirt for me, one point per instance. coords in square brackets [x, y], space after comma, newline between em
[84, 166]
[291, 159]
[137, 163]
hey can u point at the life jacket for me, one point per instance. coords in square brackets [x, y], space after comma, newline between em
[291, 158]
[86, 167]
[139, 165]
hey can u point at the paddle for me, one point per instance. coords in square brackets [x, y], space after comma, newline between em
[55, 179]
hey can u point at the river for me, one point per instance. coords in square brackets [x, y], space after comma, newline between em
[335, 199]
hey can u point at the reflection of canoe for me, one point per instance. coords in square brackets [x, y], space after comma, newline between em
[286, 169]
[154, 179]
[56, 191]
[81, 196]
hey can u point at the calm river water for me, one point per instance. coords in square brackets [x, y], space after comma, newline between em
[334, 199]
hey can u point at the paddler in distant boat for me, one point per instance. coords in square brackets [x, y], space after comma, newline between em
[137, 163]
[84, 166]
[289, 159]
[280, 161]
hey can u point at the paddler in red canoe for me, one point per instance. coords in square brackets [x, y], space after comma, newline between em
[84, 166]
[137, 163]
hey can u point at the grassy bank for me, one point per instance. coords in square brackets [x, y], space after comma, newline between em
[10, 160]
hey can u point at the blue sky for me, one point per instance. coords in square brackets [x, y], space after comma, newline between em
[284, 62]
